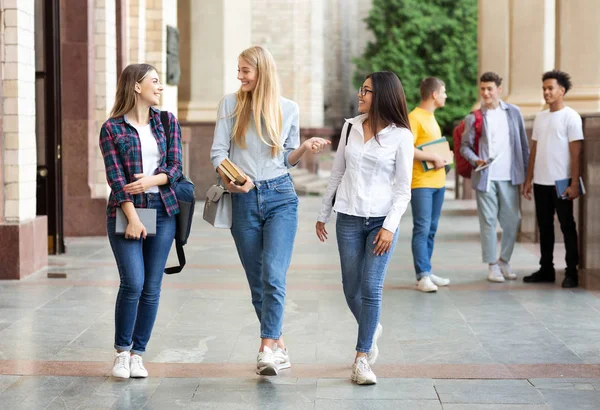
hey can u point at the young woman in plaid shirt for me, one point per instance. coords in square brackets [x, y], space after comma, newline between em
[141, 170]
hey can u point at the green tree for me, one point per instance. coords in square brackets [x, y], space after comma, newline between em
[422, 38]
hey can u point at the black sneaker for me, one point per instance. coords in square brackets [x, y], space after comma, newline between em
[571, 279]
[541, 276]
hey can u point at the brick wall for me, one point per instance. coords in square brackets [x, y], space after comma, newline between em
[18, 68]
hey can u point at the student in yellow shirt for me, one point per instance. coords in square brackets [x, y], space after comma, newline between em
[427, 186]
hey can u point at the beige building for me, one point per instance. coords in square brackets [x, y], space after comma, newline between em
[60, 61]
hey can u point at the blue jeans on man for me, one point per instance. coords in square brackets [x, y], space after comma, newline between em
[426, 205]
[264, 225]
[141, 264]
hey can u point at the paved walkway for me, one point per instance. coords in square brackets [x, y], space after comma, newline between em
[473, 345]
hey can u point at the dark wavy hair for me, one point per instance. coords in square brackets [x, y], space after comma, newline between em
[563, 79]
[389, 102]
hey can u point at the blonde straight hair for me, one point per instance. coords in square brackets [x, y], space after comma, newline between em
[125, 98]
[263, 102]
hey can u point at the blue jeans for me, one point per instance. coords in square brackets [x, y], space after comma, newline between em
[426, 205]
[264, 227]
[363, 272]
[141, 264]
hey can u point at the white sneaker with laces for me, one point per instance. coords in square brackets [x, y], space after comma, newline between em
[266, 362]
[495, 274]
[439, 281]
[372, 355]
[426, 285]
[137, 367]
[507, 271]
[362, 373]
[121, 367]
[282, 358]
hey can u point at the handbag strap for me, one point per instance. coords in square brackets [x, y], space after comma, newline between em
[164, 119]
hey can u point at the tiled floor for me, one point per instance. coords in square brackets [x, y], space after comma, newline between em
[473, 345]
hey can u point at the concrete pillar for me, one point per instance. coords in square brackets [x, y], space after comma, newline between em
[494, 37]
[159, 14]
[213, 34]
[105, 82]
[532, 51]
[23, 236]
[577, 51]
[298, 49]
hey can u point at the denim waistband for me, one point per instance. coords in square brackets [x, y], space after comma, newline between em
[152, 196]
[272, 183]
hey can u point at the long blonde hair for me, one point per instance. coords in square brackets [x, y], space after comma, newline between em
[125, 98]
[263, 102]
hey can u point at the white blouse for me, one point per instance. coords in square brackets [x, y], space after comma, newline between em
[371, 179]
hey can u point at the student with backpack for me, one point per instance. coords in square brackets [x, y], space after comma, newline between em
[501, 152]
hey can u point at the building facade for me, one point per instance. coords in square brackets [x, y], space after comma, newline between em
[60, 60]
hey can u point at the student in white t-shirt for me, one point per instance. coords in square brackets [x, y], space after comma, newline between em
[555, 154]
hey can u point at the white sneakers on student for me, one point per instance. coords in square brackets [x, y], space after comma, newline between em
[374, 353]
[425, 284]
[362, 373]
[137, 368]
[266, 363]
[507, 271]
[121, 367]
[269, 362]
[282, 358]
[495, 274]
[439, 281]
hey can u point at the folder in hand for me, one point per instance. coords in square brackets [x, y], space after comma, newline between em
[233, 172]
[438, 146]
[563, 184]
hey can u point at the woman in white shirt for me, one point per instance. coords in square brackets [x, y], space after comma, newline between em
[259, 131]
[369, 189]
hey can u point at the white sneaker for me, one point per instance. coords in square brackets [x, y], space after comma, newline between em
[282, 358]
[495, 274]
[121, 367]
[137, 366]
[507, 271]
[426, 285]
[362, 373]
[266, 362]
[439, 281]
[372, 355]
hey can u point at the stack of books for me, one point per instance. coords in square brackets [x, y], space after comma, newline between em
[439, 146]
[233, 172]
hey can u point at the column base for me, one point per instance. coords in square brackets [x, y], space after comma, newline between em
[23, 248]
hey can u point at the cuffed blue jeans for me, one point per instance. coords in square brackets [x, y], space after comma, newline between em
[426, 205]
[141, 264]
[363, 272]
[499, 204]
[264, 225]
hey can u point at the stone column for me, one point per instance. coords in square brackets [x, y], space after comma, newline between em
[532, 51]
[23, 236]
[83, 214]
[494, 37]
[136, 27]
[577, 51]
[212, 36]
[297, 47]
[159, 14]
[105, 81]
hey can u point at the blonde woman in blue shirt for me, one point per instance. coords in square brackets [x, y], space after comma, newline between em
[258, 130]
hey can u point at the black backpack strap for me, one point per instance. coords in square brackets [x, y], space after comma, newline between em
[164, 119]
[348, 131]
[180, 257]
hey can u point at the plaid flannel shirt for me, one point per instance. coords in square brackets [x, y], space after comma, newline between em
[121, 149]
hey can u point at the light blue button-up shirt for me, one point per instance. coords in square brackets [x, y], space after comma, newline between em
[255, 160]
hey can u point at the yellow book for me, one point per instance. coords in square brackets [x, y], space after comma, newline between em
[233, 172]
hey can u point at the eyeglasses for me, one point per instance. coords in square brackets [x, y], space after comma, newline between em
[363, 91]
